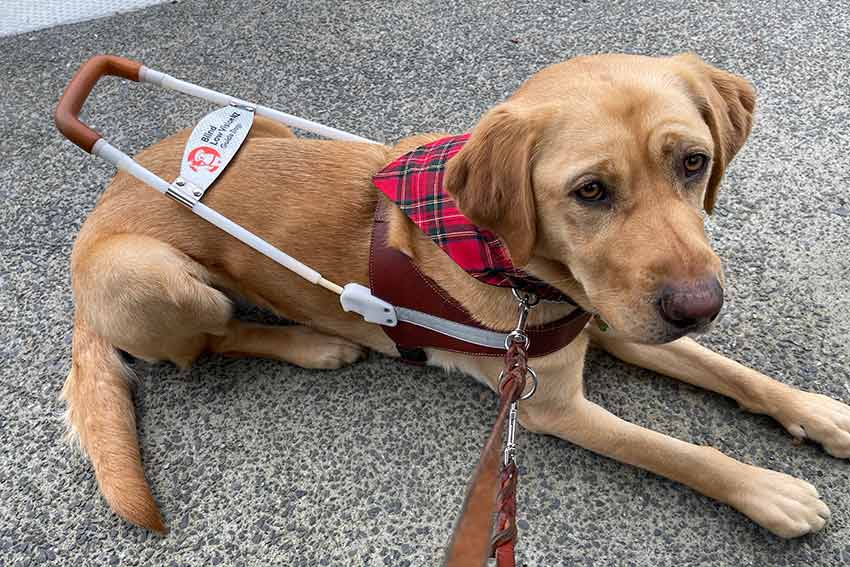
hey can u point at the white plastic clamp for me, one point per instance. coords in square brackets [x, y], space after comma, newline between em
[359, 299]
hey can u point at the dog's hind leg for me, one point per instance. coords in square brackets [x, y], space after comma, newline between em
[157, 304]
[804, 415]
[295, 344]
[143, 296]
[147, 298]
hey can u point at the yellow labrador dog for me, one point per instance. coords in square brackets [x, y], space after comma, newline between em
[596, 175]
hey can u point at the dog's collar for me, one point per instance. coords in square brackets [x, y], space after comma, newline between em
[414, 182]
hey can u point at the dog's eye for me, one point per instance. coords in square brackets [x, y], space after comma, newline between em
[694, 164]
[593, 192]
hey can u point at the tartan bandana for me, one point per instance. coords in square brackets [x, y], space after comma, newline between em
[414, 182]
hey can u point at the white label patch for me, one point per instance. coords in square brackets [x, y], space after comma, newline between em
[213, 143]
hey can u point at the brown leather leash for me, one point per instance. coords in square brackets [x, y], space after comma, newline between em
[471, 542]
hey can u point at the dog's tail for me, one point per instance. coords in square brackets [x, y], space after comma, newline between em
[102, 418]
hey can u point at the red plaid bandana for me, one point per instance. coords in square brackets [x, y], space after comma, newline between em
[414, 182]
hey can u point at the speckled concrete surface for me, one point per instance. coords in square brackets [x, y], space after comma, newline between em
[259, 463]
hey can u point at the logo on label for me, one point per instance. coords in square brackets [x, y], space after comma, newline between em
[204, 157]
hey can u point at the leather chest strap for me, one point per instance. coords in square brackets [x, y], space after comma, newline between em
[394, 278]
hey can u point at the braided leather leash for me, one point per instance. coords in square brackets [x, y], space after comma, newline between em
[471, 543]
[502, 545]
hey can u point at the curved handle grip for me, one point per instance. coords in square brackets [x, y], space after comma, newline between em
[68, 109]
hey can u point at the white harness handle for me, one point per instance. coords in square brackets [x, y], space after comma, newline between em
[353, 296]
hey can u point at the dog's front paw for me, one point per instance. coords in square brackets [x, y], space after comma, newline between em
[787, 506]
[818, 418]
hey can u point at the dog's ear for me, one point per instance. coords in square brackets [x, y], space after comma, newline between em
[727, 103]
[490, 179]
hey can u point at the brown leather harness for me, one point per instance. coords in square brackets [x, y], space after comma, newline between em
[394, 278]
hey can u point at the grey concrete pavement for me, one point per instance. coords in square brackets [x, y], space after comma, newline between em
[260, 463]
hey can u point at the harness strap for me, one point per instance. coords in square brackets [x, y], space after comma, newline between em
[394, 278]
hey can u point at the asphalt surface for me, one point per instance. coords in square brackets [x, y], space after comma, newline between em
[261, 463]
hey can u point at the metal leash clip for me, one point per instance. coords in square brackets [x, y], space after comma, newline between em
[526, 302]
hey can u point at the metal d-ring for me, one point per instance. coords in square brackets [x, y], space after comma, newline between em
[534, 382]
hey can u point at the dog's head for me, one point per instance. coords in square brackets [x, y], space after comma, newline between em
[596, 174]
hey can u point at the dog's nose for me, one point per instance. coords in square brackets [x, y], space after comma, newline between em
[691, 303]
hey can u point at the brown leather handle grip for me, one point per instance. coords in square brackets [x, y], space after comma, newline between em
[68, 109]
